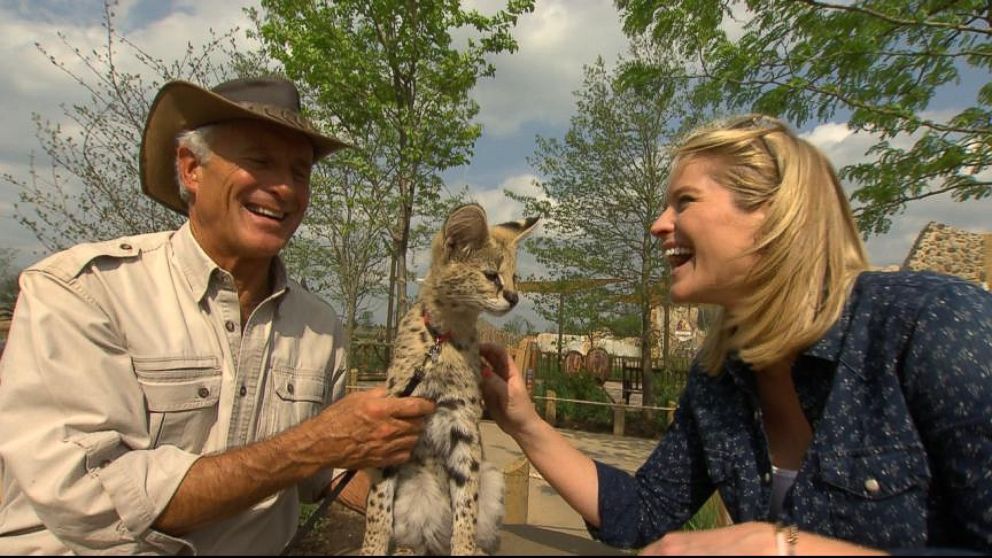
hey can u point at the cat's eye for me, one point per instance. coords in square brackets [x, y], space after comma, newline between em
[492, 276]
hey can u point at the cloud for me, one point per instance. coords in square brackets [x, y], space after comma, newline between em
[535, 84]
[34, 85]
[844, 146]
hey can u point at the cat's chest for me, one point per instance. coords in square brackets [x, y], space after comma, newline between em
[451, 371]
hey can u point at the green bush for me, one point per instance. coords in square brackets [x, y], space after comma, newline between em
[580, 387]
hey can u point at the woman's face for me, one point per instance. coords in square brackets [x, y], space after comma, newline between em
[705, 236]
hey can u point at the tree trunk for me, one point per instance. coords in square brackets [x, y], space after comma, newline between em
[403, 245]
[349, 328]
[391, 317]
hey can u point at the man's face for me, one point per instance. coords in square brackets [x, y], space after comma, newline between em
[248, 198]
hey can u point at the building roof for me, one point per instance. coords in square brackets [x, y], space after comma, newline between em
[945, 249]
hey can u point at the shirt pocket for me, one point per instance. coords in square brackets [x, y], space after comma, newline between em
[878, 498]
[181, 396]
[298, 394]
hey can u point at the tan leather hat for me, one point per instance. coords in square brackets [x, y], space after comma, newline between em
[181, 106]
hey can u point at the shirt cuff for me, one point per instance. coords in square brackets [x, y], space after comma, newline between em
[141, 483]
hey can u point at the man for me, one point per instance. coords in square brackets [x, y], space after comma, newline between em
[166, 393]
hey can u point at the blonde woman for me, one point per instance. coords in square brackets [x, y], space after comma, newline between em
[836, 410]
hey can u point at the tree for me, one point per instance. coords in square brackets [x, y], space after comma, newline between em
[341, 249]
[602, 189]
[518, 326]
[8, 280]
[91, 190]
[877, 63]
[391, 66]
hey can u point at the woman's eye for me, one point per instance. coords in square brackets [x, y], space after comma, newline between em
[682, 202]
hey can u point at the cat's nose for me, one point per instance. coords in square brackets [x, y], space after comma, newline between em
[512, 297]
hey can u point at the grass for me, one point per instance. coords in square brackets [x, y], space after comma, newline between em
[708, 516]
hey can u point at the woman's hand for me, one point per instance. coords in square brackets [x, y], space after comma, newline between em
[753, 538]
[505, 391]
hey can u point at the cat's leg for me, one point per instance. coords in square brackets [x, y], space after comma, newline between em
[462, 466]
[379, 513]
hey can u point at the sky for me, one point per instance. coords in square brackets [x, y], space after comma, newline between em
[531, 94]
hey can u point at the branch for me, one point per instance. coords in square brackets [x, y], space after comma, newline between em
[895, 20]
[906, 199]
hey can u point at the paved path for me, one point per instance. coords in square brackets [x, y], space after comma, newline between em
[553, 528]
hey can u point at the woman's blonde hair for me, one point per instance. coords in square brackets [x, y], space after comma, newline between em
[808, 249]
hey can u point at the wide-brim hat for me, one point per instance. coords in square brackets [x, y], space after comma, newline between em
[181, 106]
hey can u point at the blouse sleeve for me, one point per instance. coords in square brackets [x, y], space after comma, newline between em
[948, 385]
[665, 491]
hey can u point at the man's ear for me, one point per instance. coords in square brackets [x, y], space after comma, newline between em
[188, 169]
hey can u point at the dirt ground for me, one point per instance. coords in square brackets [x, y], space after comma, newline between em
[339, 533]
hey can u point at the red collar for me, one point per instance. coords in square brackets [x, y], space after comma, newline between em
[439, 337]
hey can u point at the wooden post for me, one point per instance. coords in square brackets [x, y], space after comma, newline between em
[352, 381]
[670, 415]
[516, 476]
[551, 408]
[619, 418]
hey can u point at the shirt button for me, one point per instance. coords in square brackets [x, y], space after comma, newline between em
[229, 325]
[203, 392]
[243, 391]
[290, 388]
[871, 485]
[125, 246]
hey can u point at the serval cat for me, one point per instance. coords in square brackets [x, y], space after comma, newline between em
[446, 499]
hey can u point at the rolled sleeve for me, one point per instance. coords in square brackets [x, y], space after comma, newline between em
[73, 428]
[664, 493]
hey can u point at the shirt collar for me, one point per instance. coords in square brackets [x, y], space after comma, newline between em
[827, 348]
[198, 268]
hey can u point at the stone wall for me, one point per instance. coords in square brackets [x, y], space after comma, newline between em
[953, 251]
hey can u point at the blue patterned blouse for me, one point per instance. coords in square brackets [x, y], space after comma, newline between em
[899, 395]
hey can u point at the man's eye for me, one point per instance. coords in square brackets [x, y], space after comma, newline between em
[301, 175]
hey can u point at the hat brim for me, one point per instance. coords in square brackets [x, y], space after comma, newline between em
[181, 106]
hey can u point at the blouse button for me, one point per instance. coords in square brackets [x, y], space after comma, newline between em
[243, 391]
[871, 485]
[203, 392]
[229, 325]
[768, 477]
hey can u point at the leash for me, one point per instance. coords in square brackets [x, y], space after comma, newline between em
[418, 375]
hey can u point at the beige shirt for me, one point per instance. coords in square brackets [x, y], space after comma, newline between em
[127, 361]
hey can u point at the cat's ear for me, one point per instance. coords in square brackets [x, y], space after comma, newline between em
[515, 231]
[466, 229]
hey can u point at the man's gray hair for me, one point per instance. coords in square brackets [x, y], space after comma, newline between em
[198, 142]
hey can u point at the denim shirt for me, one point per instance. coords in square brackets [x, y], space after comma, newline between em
[899, 395]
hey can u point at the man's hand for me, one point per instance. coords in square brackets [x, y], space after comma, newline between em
[366, 429]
